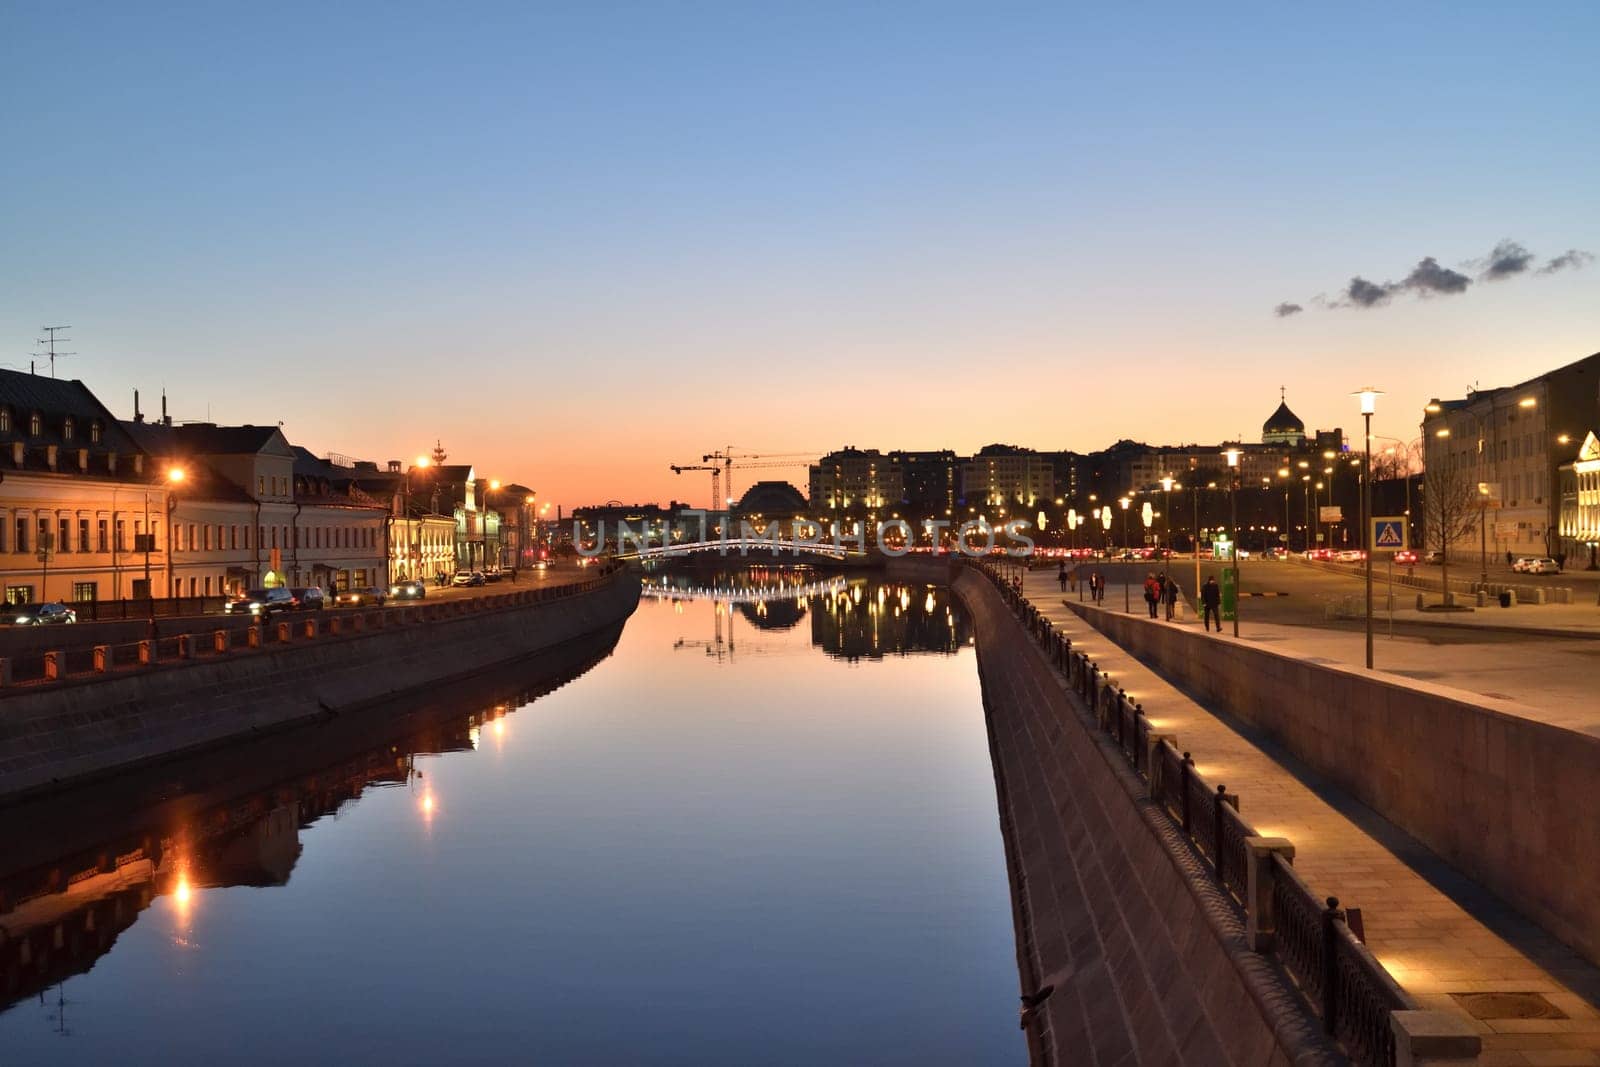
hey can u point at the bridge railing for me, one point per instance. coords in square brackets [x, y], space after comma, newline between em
[1341, 980]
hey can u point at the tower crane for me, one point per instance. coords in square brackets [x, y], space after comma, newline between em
[716, 475]
[727, 455]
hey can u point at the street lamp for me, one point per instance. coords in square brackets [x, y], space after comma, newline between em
[1233, 456]
[1127, 601]
[1369, 405]
[1105, 520]
[1167, 483]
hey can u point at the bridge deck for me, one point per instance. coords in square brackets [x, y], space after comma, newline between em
[1436, 931]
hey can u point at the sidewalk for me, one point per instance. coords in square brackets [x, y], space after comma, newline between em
[1436, 931]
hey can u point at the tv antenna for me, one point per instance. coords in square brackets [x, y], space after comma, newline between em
[51, 343]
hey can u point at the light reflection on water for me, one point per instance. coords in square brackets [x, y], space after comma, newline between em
[716, 847]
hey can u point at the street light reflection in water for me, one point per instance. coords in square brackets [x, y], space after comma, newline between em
[772, 854]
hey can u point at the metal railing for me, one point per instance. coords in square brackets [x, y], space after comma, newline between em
[1340, 979]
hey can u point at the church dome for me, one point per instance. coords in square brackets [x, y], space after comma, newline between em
[778, 499]
[1283, 427]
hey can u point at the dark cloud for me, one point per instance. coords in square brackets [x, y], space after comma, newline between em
[1428, 278]
[1573, 258]
[1364, 294]
[1283, 311]
[1508, 259]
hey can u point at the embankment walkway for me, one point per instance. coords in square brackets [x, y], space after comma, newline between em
[1443, 937]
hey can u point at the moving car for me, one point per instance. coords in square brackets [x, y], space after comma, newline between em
[1405, 556]
[1536, 565]
[55, 614]
[468, 578]
[361, 597]
[1350, 555]
[260, 602]
[409, 589]
[1434, 558]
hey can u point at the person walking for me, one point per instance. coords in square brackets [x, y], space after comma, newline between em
[1211, 603]
[1170, 593]
[1097, 587]
[1061, 576]
[1152, 592]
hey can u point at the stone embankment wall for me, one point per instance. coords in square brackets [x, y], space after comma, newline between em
[1499, 795]
[1146, 961]
[54, 733]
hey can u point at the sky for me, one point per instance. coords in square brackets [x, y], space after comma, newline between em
[578, 243]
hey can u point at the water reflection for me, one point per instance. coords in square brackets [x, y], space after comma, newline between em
[765, 830]
[850, 618]
[58, 916]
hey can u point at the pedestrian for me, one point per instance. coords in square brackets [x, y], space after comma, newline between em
[1211, 603]
[1170, 594]
[1096, 584]
[1152, 592]
[1061, 576]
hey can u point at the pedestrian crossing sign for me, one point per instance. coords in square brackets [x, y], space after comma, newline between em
[1389, 533]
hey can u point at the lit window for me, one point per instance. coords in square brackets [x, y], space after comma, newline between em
[35, 426]
[66, 429]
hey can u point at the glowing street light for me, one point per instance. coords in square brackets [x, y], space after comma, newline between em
[1369, 406]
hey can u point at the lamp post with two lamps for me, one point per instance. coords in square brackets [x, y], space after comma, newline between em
[1127, 599]
[1233, 456]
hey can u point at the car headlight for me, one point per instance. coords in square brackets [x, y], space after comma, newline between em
[394, 590]
[23, 618]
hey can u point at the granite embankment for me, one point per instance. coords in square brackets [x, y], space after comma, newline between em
[78, 727]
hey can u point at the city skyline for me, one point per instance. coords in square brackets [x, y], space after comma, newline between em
[577, 247]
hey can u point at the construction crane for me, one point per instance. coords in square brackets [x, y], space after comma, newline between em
[716, 475]
[727, 455]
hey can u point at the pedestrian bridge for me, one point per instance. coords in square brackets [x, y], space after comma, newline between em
[743, 546]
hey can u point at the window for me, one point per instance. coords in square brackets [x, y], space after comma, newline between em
[141, 589]
[233, 536]
[274, 537]
[66, 428]
[205, 532]
[83, 535]
[208, 585]
[95, 432]
[19, 594]
[64, 535]
[122, 535]
[194, 540]
[101, 544]
[45, 542]
[155, 534]
[261, 485]
[5, 420]
[194, 587]
[35, 425]
[247, 537]
[85, 592]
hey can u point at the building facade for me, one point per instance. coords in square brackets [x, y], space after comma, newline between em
[1513, 441]
[854, 480]
[1580, 505]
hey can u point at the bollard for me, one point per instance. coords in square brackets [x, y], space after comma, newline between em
[284, 631]
[334, 626]
[309, 628]
[102, 658]
[54, 664]
[184, 651]
[1433, 1039]
[219, 641]
[147, 653]
[1260, 924]
[252, 636]
[358, 622]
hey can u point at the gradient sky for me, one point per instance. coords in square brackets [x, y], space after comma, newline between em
[579, 243]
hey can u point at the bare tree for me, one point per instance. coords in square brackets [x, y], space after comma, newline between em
[1451, 511]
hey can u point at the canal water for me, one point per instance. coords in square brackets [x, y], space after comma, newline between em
[761, 830]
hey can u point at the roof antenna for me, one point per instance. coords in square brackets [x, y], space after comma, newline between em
[137, 415]
[166, 420]
[51, 341]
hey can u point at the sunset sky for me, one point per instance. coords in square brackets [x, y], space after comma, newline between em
[578, 243]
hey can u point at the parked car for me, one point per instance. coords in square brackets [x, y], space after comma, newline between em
[53, 614]
[492, 576]
[1405, 557]
[1349, 555]
[307, 598]
[260, 602]
[365, 596]
[468, 578]
[1434, 558]
[1536, 565]
[410, 589]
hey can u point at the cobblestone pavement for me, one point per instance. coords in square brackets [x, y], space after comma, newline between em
[1438, 933]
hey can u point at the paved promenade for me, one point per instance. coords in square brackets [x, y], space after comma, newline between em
[1440, 934]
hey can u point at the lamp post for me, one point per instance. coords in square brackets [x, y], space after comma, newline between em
[175, 476]
[1127, 600]
[1234, 455]
[1105, 521]
[1167, 483]
[1283, 472]
[1369, 404]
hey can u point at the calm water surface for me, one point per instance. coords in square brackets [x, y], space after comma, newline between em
[763, 831]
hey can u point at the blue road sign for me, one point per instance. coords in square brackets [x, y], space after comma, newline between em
[1389, 533]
